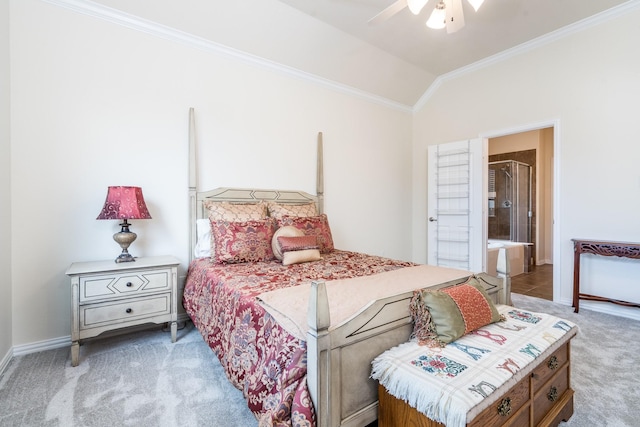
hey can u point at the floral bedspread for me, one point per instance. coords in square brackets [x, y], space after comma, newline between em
[260, 358]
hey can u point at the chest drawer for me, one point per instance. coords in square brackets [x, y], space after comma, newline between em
[104, 314]
[123, 284]
[550, 393]
[504, 408]
[549, 366]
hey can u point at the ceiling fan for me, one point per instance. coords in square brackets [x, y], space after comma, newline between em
[447, 13]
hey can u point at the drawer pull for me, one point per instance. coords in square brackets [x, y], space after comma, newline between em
[504, 408]
[553, 394]
[553, 363]
[128, 310]
[129, 284]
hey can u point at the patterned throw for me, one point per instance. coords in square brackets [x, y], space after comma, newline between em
[451, 385]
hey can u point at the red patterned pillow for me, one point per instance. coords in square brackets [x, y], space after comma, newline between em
[243, 241]
[297, 243]
[312, 226]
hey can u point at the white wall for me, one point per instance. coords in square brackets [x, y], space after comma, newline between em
[5, 187]
[588, 82]
[97, 104]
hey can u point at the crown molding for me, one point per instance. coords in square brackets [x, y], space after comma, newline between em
[133, 22]
[548, 38]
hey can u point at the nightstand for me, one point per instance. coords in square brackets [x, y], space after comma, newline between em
[106, 295]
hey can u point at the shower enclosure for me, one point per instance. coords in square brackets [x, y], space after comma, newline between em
[510, 201]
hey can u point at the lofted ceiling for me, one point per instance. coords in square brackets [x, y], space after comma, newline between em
[331, 41]
[497, 26]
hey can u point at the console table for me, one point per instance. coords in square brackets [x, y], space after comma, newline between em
[604, 248]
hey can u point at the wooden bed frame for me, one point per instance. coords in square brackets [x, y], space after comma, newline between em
[338, 361]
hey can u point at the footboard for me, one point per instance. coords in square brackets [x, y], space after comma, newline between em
[339, 361]
[339, 358]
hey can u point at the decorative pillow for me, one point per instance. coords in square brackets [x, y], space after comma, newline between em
[242, 241]
[297, 243]
[289, 231]
[304, 255]
[312, 226]
[227, 211]
[278, 210]
[444, 315]
[203, 245]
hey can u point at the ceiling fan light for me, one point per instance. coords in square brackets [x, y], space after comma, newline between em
[415, 6]
[476, 4]
[438, 17]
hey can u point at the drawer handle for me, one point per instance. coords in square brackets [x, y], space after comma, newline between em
[128, 310]
[504, 408]
[553, 394]
[553, 363]
[129, 284]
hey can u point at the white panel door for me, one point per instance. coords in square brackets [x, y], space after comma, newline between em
[457, 198]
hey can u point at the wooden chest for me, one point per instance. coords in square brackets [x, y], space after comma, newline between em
[543, 398]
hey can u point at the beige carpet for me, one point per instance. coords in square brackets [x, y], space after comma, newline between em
[141, 379]
[138, 379]
[605, 361]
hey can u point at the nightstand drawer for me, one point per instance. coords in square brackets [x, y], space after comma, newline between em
[123, 284]
[100, 315]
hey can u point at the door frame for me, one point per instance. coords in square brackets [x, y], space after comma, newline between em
[555, 124]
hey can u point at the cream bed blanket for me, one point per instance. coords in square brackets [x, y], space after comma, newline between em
[349, 297]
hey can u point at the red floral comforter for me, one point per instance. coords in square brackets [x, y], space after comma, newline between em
[260, 358]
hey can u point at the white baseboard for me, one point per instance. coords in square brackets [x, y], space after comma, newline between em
[61, 342]
[606, 308]
[5, 361]
[33, 348]
[39, 346]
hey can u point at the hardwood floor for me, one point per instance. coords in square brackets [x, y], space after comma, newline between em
[537, 283]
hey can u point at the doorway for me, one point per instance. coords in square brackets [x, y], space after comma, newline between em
[534, 148]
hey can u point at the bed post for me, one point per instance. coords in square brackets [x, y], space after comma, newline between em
[193, 183]
[320, 176]
[503, 270]
[318, 353]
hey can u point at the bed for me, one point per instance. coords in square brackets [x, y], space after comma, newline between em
[316, 373]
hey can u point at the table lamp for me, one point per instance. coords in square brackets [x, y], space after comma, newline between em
[124, 203]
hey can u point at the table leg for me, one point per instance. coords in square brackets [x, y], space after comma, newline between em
[576, 279]
[75, 352]
[174, 331]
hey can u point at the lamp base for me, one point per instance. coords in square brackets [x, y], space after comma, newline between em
[125, 257]
[125, 238]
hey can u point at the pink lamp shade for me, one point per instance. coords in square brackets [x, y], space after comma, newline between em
[124, 203]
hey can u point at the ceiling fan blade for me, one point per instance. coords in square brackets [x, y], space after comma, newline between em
[388, 12]
[455, 16]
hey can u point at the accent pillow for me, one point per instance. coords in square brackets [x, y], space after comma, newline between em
[289, 231]
[312, 226]
[227, 211]
[444, 315]
[203, 245]
[297, 243]
[297, 257]
[277, 210]
[242, 241]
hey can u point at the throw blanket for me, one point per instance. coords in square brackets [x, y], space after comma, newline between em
[348, 297]
[452, 385]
